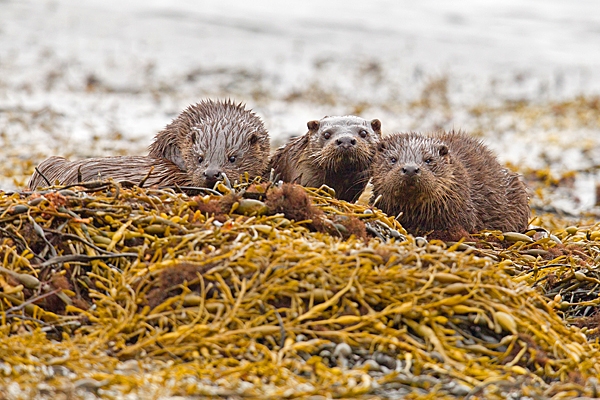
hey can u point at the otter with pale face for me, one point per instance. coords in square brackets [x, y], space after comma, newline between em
[336, 151]
[447, 182]
[212, 139]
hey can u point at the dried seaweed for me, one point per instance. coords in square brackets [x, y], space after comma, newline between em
[284, 292]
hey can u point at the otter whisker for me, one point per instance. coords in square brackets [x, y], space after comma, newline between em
[43, 176]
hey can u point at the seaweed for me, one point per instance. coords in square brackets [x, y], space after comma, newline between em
[282, 291]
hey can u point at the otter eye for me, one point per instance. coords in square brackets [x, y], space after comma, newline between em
[428, 160]
[393, 160]
[363, 134]
[232, 159]
[327, 135]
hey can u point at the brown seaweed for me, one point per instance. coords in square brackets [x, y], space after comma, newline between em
[111, 288]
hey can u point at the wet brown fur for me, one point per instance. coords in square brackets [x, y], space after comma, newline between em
[218, 208]
[460, 186]
[313, 160]
[212, 138]
[120, 168]
[293, 202]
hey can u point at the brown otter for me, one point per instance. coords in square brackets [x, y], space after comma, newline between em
[336, 151]
[447, 182]
[214, 138]
[121, 168]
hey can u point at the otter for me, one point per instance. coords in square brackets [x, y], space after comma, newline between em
[336, 151]
[121, 168]
[449, 183]
[211, 139]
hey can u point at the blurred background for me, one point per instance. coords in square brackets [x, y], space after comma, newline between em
[101, 77]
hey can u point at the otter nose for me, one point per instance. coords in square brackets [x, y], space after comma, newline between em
[346, 142]
[212, 176]
[410, 170]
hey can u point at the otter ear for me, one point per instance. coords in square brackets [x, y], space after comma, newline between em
[253, 139]
[174, 155]
[171, 151]
[376, 125]
[194, 135]
[313, 125]
[443, 150]
[381, 147]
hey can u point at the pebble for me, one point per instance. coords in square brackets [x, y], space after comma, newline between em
[342, 362]
[44, 389]
[60, 370]
[128, 367]
[325, 354]
[458, 389]
[401, 392]
[437, 356]
[428, 379]
[371, 365]
[385, 360]
[385, 370]
[5, 368]
[342, 350]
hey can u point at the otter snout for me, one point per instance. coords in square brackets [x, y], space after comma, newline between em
[410, 170]
[212, 175]
[345, 142]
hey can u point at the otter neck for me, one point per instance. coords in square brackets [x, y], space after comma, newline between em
[348, 183]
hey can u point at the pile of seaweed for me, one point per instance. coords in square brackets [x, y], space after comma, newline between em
[281, 291]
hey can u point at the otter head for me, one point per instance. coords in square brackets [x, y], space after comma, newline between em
[345, 143]
[221, 138]
[412, 170]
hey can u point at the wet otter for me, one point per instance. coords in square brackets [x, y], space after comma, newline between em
[447, 182]
[121, 168]
[213, 138]
[336, 151]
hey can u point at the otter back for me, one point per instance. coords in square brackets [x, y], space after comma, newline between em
[336, 151]
[121, 168]
[447, 182]
[214, 138]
